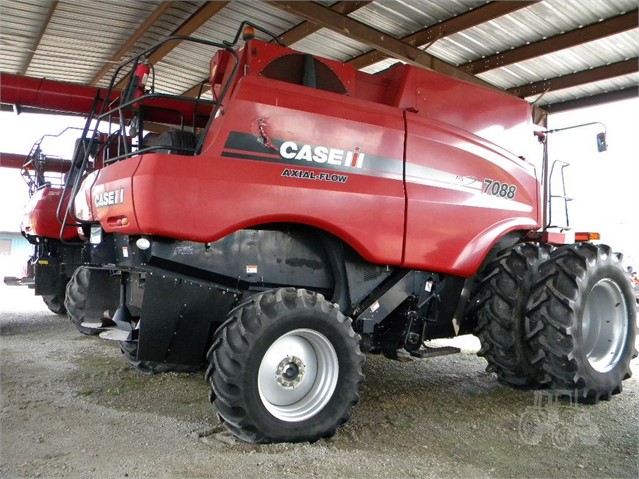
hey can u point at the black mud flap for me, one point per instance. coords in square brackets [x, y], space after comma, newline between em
[103, 295]
[47, 278]
[179, 316]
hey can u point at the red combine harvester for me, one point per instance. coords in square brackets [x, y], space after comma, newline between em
[311, 212]
[57, 251]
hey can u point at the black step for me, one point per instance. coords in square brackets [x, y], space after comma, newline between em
[423, 352]
[431, 352]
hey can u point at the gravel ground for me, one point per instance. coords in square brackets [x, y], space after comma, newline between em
[72, 407]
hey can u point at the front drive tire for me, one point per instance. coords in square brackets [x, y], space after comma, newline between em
[581, 316]
[285, 367]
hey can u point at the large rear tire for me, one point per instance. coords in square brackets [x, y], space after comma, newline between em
[498, 308]
[285, 367]
[582, 317]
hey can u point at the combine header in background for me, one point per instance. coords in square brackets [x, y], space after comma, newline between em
[311, 212]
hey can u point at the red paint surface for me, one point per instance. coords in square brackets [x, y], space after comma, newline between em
[448, 136]
[74, 98]
[40, 219]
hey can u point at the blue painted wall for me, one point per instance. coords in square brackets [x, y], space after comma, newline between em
[14, 257]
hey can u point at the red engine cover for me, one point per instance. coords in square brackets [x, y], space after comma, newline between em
[39, 218]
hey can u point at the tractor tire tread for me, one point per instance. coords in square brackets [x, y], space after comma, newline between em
[552, 317]
[497, 306]
[75, 300]
[232, 342]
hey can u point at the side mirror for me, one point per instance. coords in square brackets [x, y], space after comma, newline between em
[601, 142]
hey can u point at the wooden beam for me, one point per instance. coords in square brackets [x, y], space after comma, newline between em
[624, 67]
[195, 21]
[142, 29]
[569, 39]
[36, 43]
[446, 28]
[304, 29]
[393, 47]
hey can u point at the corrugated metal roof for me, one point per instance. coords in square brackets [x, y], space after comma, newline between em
[401, 18]
[396, 18]
[19, 28]
[599, 52]
[536, 22]
[587, 90]
[83, 35]
[177, 14]
[188, 64]
[328, 44]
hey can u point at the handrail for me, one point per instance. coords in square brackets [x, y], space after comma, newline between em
[105, 109]
[562, 165]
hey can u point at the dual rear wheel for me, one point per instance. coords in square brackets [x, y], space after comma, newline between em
[562, 319]
[581, 318]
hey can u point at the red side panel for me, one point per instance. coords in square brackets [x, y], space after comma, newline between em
[467, 182]
[463, 194]
[497, 117]
[242, 179]
[39, 218]
[112, 197]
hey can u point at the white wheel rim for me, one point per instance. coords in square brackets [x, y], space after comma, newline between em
[604, 325]
[298, 375]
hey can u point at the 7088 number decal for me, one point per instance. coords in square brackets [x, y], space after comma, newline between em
[496, 188]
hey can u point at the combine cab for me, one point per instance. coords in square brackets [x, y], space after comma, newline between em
[309, 213]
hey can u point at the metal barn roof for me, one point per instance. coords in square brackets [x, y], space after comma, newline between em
[557, 53]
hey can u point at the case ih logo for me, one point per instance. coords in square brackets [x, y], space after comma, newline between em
[248, 146]
[109, 198]
[322, 154]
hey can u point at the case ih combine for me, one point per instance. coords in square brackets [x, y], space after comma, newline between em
[58, 252]
[311, 212]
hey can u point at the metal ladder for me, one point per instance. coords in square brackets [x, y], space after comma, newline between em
[563, 196]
